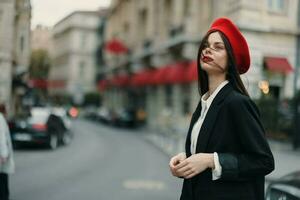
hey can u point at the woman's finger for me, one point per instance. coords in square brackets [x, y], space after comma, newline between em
[181, 164]
[183, 169]
[173, 161]
[188, 173]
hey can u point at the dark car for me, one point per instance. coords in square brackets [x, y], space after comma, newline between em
[126, 118]
[286, 188]
[43, 126]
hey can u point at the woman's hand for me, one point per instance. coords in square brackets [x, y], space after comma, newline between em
[175, 161]
[194, 165]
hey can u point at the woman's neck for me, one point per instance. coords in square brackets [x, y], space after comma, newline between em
[214, 82]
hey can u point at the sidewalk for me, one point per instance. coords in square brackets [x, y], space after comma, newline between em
[287, 160]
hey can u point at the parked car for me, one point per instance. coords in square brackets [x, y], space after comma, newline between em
[106, 115]
[126, 118]
[91, 113]
[43, 126]
[286, 188]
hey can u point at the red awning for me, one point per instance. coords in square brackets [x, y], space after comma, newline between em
[176, 73]
[115, 46]
[56, 83]
[102, 85]
[159, 76]
[181, 72]
[191, 72]
[38, 83]
[278, 64]
[44, 83]
[121, 80]
[142, 78]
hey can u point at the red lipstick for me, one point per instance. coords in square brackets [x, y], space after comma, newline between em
[207, 59]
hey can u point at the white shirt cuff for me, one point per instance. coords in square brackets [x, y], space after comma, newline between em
[217, 171]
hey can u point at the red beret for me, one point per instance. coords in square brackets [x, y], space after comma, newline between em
[237, 41]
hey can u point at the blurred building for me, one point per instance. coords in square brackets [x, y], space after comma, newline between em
[7, 13]
[41, 38]
[22, 49]
[75, 43]
[15, 16]
[158, 71]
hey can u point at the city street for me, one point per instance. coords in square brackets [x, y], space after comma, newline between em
[101, 163]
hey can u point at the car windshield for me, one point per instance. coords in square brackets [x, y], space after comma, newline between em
[38, 117]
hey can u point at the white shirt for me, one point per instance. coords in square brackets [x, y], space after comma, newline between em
[206, 101]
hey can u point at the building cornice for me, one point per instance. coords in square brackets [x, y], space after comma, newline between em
[95, 13]
[71, 28]
[294, 32]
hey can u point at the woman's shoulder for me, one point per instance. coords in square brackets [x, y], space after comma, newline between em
[236, 100]
[236, 97]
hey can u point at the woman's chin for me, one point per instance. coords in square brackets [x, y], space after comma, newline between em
[207, 67]
[210, 69]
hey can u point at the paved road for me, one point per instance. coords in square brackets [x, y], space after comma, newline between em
[102, 163]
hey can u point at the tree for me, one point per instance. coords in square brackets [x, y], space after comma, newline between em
[39, 64]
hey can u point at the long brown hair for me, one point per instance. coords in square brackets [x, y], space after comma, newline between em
[232, 74]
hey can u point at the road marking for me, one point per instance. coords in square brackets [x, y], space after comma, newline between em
[144, 185]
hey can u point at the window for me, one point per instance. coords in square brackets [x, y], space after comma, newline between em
[83, 39]
[81, 69]
[298, 20]
[277, 5]
[167, 12]
[126, 29]
[26, 4]
[22, 43]
[142, 23]
[186, 8]
[1, 13]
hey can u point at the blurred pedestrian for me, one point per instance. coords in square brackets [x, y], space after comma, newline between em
[6, 158]
[226, 153]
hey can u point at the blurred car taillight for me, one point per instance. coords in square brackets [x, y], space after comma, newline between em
[39, 127]
[73, 112]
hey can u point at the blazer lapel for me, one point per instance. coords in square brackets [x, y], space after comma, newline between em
[195, 117]
[211, 117]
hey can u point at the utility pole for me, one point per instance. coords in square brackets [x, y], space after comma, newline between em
[296, 127]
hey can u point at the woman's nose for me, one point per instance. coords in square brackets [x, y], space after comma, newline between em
[207, 50]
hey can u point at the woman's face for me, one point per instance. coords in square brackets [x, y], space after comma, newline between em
[214, 57]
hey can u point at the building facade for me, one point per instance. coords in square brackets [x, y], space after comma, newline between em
[168, 32]
[41, 38]
[7, 12]
[74, 48]
[22, 33]
[15, 19]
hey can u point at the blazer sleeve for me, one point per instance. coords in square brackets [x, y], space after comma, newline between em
[256, 158]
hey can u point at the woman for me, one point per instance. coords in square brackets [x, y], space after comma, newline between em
[6, 158]
[227, 155]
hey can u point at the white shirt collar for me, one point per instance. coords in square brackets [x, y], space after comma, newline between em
[210, 99]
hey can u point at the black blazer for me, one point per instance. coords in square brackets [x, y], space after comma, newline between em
[231, 128]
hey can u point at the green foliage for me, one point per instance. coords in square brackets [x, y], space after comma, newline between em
[276, 116]
[92, 98]
[39, 64]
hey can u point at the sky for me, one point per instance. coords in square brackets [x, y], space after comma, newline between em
[49, 12]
